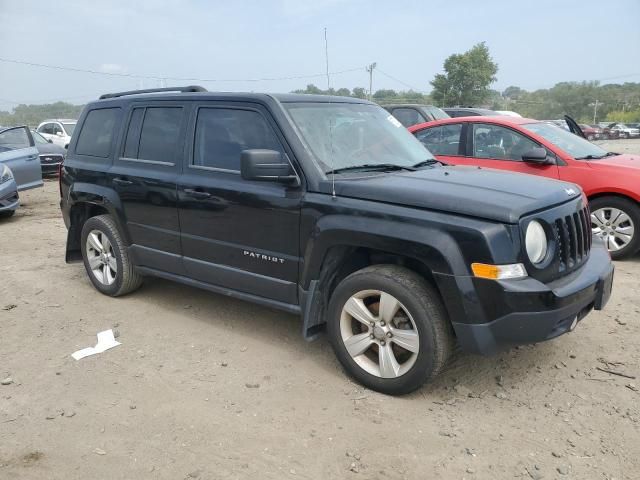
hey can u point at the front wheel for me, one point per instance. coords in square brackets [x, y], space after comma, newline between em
[106, 258]
[616, 221]
[389, 329]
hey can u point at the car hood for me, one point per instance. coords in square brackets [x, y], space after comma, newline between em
[50, 148]
[478, 192]
[625, 160]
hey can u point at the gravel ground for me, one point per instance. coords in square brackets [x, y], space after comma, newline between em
[208, 387]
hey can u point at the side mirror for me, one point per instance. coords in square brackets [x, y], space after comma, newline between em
[266, 165]
[536, 155]
[60, 134]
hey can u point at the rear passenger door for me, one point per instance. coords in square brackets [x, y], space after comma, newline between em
[144, 175]
[18, 152]
[443, 141]
[238, 234]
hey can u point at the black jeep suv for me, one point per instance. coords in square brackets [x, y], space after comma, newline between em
[328, 208]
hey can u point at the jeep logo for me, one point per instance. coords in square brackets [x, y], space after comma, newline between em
[262, 257]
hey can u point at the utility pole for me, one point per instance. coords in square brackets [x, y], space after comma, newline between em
[326, 56]
[370, 70]
[595, 111]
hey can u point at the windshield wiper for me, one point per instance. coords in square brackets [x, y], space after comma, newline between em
[597, 157]
[427, 162]
[371, 167]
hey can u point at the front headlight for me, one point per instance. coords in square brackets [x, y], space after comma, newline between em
[536, 242]
[5, 174]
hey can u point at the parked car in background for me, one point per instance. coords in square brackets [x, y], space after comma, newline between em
[607, 134]
[633, 125]
[51, 155]
[9, 200]
[18, 152]
[58, 130]
[412, 114]
[469, 112]
[591, 133]
[610, 181]
[625, 131]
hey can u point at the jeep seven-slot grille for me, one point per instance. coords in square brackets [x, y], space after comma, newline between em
[573, 234]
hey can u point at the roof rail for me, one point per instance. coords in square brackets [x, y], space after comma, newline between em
[190, 88]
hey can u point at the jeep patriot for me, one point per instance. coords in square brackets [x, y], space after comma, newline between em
[328, 208]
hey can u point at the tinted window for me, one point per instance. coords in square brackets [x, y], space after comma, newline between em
[408, 116]
[133, 134]
[493, 141]
[38, 138]
[56, 128]
[97, 133]
[221, 134]
[444, 140]
[160, 134]
[46, 128]
[15, 138]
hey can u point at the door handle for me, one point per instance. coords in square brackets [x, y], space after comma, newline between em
[122, 181]
[196, 193]
[32, 157]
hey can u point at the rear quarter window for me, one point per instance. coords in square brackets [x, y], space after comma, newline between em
[96, 136]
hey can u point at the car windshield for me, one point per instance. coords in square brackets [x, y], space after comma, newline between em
[69, 127]
[343, 135]
[577, 147]
[437, 113]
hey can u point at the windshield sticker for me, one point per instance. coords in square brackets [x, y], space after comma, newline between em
[393, 120]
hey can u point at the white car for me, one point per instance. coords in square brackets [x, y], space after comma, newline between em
[59, 131]
[625, 131]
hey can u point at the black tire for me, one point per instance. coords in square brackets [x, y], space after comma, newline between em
[7, 214]
[420, 299]
[126, 278]
[632, 209]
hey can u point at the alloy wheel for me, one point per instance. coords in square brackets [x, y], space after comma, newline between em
[614, 226]
[379, 333]
[101, 257]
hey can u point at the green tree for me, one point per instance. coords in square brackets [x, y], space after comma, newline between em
[467, 78]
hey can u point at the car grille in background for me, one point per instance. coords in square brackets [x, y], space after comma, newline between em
[573, 234]
[50, 158]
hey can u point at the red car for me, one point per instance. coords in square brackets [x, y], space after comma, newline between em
[611, 181]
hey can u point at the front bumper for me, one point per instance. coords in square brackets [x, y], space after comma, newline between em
[9, 199]
[527, 311]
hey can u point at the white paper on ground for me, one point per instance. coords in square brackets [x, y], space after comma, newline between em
[106, 341]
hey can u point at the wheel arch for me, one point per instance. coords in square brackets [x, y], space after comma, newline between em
[86, 204]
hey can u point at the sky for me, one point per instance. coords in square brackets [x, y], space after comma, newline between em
[257, 45]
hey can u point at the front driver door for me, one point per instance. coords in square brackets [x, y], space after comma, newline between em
[496, 146]
[238, 234]
[18, 152]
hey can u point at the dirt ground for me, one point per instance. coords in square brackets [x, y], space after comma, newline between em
[208, 387]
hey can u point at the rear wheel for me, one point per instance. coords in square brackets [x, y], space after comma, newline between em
[616, 221]
[106, 258]
[389, 329]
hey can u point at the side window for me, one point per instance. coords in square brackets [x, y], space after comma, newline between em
[97, 133]
[494, 141]
[57, 129]
[15, 138]
[160, 134]
[133, 134]
[444, 140]
[46, 128]
[408, 116]
[221, 134]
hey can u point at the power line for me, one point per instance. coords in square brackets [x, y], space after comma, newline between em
[399, 81]
[166, 77]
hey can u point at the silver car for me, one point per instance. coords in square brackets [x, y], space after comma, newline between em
[9, 200]
[18, 152]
